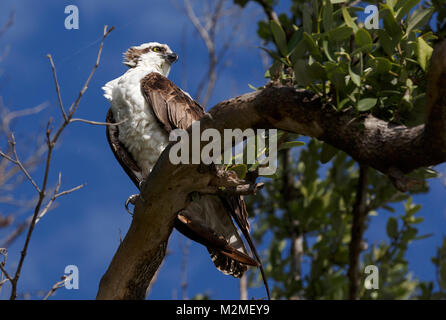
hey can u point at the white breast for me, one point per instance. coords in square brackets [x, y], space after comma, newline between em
[141, 134]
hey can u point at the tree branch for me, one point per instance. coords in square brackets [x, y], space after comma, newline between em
[370, 141]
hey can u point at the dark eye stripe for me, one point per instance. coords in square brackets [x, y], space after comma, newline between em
[160, 49]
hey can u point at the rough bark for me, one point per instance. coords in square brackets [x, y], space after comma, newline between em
[391, 149]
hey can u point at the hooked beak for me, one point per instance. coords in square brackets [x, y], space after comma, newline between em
[172, 57]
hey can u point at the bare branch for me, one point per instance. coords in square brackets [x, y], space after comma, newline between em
[207, 29]
[97, 123]
[74, 106]
[9, 116]
[58, 285]
[5, 272]
[51, 141]
[53, 68]
[17, 162]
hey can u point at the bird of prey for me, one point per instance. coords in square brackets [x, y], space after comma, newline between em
[146, 106]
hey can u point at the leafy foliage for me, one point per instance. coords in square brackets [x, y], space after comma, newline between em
[304, 215]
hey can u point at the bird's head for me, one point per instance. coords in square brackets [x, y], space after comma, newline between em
[151, 55]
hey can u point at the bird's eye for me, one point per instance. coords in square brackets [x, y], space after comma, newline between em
[156, 49]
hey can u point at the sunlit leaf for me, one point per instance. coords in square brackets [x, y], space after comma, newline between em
[424, 53]
[367, 104]
[291, 144]
[279, 37]
[348, 19]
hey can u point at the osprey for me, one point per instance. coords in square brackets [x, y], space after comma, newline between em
[146, 106]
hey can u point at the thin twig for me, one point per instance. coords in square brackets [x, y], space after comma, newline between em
[53, 68]
[5, 272]
[17, 162]
[98, 123]
[58, 285]
[81, 93]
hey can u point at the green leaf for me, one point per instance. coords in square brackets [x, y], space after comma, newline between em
[340, 34]
[391, 4]
[294, 41]
[363, 38]
[392, 228]
[367, 104]
[328, 152]
[327, 16]
[356, 79]
[405, 9]
[301, 73]
[424, 236]
[423, 52]
[390, 24]
[383, 65]
[364, 49]
[317, 71]
[342, 103]
[240, 169]
[419, 18]
[327, 51]
[279, 37]
[386, 42]
[312, 46]
[348, 19]
[307, 19]
[291, 144]
[272, 54]
[252, 87]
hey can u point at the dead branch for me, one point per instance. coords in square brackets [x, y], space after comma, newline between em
[57, 286]
[207, 28]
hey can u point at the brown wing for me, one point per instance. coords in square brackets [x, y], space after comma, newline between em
[173, 108]
[121, 154]
[189, 228]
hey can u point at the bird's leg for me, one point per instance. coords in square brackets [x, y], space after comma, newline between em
[134, 197]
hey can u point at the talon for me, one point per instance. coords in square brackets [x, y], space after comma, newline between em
[131, 200]
[141, 185]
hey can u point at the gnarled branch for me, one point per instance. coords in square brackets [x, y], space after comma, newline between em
[372, 142]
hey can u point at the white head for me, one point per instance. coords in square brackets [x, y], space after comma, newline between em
[151, 55]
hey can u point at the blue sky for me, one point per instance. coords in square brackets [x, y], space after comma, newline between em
[85, 228]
